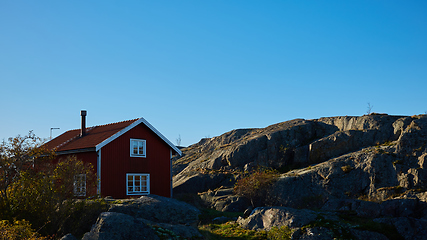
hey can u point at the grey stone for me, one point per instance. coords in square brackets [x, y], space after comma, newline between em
[68, 237]
[159, 209]
[118, 226]
[248, 212]
[224, 200]
[409, 228]
[315, 233]
[221, 219]
[264, 218]
[361, 208]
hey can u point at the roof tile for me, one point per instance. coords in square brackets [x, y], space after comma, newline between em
[71, 139]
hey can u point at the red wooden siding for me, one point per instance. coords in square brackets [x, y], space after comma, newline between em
[87, 157]
[116, 163]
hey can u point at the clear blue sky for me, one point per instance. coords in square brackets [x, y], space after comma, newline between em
[202, 68]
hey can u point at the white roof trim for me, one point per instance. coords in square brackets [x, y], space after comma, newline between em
[136, 123]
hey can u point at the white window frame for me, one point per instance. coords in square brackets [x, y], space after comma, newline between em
[137, 189]
[80, 189]
[138, 141]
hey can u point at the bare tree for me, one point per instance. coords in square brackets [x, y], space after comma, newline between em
[369, 109]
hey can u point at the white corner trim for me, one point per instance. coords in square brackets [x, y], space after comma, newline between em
[136, 123]
[98, 171]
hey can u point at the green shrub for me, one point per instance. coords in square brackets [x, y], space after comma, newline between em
[256, 185]
[34, 188]
[17, 230]
[45, 198]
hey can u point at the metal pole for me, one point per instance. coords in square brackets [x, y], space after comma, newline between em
[51, 132]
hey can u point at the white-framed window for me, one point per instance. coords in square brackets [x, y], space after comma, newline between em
[137, 183]
[80, 185]
[137, 148]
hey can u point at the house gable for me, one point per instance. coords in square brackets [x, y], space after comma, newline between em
[117, 165]
[134, 124]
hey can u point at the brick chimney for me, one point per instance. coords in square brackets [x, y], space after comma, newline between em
[83, 113]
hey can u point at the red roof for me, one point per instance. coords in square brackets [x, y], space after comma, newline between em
[71, 139]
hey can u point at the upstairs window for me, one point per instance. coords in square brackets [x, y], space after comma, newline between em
[137, 148]
[80, 185]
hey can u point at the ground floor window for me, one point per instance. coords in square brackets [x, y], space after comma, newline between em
[137, 184]
[80, 185]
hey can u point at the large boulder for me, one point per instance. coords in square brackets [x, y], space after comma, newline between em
[264, 218]
[146, 218]
[377, 173]
[224, 200]
[158, 209]
[119, 226]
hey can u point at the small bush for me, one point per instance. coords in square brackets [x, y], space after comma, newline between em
[256, 185]
[19, 229]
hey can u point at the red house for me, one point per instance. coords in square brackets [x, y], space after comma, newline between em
[131, 158]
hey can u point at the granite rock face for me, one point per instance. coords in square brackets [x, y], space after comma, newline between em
[297, 142]
[274, 146]
[372, 156]
[373, 166]
[147, 217]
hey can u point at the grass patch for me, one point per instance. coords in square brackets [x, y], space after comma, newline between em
[277, 233]
[230, 230]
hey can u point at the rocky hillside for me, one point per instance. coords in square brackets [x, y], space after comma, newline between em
[371, 166]
[294, 144]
